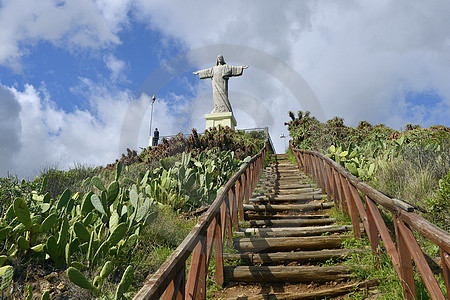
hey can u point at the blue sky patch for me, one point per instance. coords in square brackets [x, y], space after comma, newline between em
[425, 98]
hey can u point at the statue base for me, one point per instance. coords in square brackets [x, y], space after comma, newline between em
[223, 119]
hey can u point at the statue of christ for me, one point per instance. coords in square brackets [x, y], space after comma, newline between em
[219, 75]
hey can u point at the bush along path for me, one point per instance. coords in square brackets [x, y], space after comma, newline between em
[288, 246]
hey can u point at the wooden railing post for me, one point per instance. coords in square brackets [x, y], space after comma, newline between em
[237, 197]
[301, 159]
[359, 205]
[309, 164]
[372, 233]
[228, 220]
[445, 260]
[240, 190]
[351, 208]
[254, 175]
[194, 283]
[330, 188]
[218, 250]
[298, 158]
[339, 195]
[325, 176]
[223, 213]
[246, 185]
[342, 197]
[406, 271]
[316, 172]
[384, 233]
[176, 289]
[232, 198]
[335, 187]
[420, 261]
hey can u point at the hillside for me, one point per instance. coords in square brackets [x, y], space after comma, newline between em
[99, 232]
[412, 165]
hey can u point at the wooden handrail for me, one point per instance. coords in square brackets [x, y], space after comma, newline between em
[169, 280]
[348, 192]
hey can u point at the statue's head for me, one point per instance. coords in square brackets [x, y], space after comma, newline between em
[220, 60]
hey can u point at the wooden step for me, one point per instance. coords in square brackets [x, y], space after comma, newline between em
[290, 173]
[281, 166]
[288, 193]
[283, 257]
[298, 191]
[271, 244]
[326, 293]
[261, 191]
[294, 231]
[288, 207]
[295, 186]
[286, 273]
[295, 198]
[259, 216]
[286, 223]
[290, 180]
[293, 175]
[291, 197]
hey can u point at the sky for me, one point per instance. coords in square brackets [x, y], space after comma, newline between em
[76, 77]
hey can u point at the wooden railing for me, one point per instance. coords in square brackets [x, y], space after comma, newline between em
[170, 281]
[362, 203]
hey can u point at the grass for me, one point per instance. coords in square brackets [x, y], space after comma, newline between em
[269, 159]
[413, 176]
[338, 214]
[158, 241]
[72, 179]
[211, 286]
[291, 157]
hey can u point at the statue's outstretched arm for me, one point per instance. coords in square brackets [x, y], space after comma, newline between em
[205, 73]
[236, 71]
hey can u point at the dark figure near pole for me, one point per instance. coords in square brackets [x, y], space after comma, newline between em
[155, 137]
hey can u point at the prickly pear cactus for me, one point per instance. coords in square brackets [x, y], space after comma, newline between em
[76, 277]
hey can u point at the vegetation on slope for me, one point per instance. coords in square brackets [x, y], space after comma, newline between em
[119, 224]
[412, 165]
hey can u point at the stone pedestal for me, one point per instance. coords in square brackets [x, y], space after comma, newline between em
[223, 119]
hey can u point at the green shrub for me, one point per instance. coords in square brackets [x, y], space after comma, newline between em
[439, 206]
[58, 180]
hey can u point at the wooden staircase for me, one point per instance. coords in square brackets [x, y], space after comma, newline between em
[286, 236]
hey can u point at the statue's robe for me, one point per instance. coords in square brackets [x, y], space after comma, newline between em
[219, 76]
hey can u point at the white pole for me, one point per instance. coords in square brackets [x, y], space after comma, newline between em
[151, 118]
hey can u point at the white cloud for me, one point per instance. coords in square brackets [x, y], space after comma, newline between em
[360, 57]
[40, 134]
[83, 24]
[10, 127]
[117, 68]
